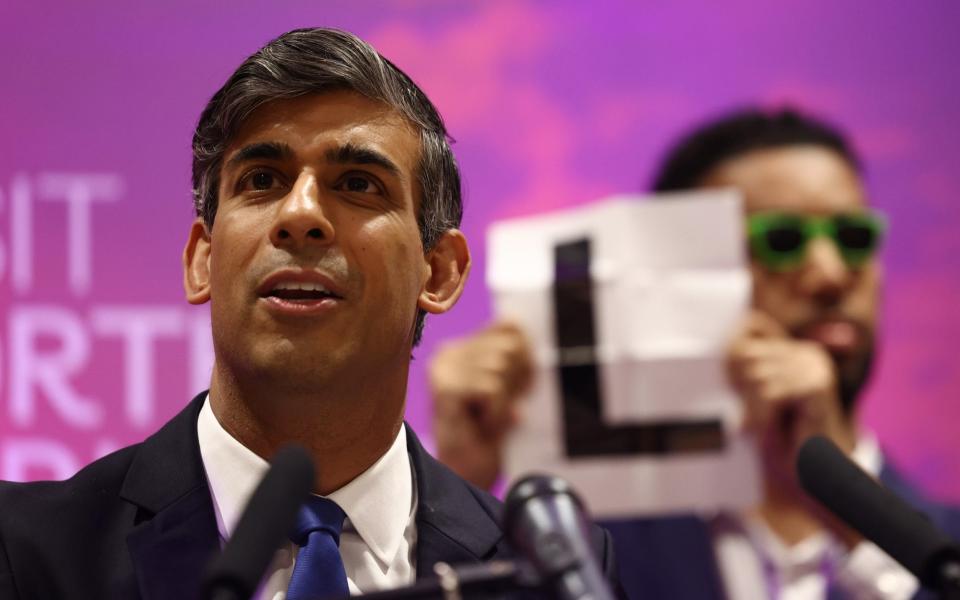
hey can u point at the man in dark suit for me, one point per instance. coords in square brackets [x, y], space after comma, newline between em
[328, 200]
[799, 364]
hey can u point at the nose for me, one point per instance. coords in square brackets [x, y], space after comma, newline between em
[301, 218]
[825, 274]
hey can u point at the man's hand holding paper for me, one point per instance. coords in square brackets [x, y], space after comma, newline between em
[476, 383]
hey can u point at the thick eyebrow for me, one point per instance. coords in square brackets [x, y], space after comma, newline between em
[358, 155]
[260, 151]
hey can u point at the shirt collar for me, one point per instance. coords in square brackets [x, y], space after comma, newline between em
[867, 453]
[809, 553]
[378, 502]
[793, 561]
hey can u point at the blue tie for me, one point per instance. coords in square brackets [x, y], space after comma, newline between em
[318, 572]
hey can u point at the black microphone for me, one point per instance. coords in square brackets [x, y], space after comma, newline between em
[544, 520]
[879, 515]
[266, 522]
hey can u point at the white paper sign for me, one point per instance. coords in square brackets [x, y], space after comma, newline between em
[629, 304]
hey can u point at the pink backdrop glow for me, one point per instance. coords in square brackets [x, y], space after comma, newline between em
[552, 104]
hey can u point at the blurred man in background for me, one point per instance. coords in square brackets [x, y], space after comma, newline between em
[799, 363]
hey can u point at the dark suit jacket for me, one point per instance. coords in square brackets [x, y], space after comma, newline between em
[673, 558]
[140, 523]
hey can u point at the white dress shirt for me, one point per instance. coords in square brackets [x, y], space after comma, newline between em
[755, 564]
[379, 533]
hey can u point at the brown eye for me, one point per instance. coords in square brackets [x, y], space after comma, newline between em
[262, 180]
[358, 184]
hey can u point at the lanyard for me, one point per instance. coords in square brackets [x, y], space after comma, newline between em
[772, 579]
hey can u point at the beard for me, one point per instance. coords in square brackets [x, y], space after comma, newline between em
[852, 363]
[853, 372]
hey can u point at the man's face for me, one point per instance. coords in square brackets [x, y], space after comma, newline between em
[823, 298]
[315, 260]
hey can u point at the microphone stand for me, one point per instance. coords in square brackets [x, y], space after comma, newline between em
[457, 583]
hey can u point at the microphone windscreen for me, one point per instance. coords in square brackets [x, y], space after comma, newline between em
[263, 527]
[828, 475]
[533, 486]
[545, 522]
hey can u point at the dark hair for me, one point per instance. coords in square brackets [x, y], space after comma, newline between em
[704, 148]
[310, 61]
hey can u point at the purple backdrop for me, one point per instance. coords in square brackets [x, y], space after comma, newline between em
[552, 104]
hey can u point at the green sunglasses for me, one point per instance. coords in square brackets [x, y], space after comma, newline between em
[779, 240]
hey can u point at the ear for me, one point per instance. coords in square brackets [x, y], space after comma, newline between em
[448, 264]
[196, 264]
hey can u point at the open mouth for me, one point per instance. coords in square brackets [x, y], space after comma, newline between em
[838, 336]
[297, 292]
[301, 292]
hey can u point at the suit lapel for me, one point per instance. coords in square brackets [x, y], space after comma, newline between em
[170, 551]
[176, 534]
[667, 557]
[453, 524]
